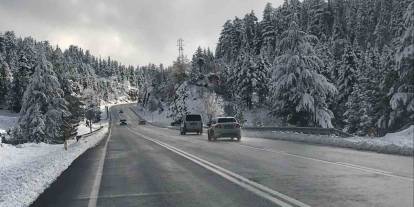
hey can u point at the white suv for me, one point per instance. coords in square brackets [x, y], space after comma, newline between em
[191, 123]
[224, 127]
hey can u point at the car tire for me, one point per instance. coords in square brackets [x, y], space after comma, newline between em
[209, 137]
[238, 139]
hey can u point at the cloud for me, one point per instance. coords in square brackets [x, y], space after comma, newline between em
[133, 32]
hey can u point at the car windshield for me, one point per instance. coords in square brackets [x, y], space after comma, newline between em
[193, 118]
[226, 120]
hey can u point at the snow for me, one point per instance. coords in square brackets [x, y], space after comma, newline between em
[27, 170]
[7, 120]
[401, 143]
[260, 117]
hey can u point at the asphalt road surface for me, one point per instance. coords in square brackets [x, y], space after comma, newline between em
[144, 165]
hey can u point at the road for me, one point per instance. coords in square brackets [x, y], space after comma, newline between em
[152, 166]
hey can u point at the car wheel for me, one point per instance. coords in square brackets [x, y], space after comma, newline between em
[238, 139]
[208, 137]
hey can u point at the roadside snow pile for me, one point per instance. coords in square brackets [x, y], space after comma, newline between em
[27, 170]
[394, 143]
[403, 138]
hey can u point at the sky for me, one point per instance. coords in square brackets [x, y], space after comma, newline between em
[134, 32]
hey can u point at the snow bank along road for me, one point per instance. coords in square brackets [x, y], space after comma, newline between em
[151, 166]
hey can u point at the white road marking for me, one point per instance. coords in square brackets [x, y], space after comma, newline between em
[343, 164]
[93, 197]
[133, 195]
[256, 188]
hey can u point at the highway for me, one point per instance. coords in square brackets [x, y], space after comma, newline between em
[144, 165]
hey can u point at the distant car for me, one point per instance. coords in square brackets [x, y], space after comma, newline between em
[121, 111]
[191, 123]
[142, 122]
[122, 122]
[224, 127]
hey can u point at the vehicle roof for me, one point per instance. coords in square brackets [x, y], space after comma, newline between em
[225, 117]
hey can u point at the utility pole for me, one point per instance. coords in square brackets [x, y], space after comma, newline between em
[180, 45]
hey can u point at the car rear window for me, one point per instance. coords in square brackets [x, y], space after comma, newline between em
[226, 120]
[193, 118]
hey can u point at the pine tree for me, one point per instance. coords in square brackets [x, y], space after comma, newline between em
[198, 64]
[245, 79]
[402, 101]
[43, 107]
[5, 79]
[178, 107]
[268, 33]
[299, 91]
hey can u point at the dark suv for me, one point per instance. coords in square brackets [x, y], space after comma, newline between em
[191, 123]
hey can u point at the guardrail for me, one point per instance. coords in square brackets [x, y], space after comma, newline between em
[305, 130]
[91, 133]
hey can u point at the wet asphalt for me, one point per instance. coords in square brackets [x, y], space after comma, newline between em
[138, 172]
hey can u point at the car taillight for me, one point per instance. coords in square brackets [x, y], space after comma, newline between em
[237, 125]
[218, 126]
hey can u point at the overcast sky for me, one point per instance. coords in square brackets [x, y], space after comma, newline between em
[131, 31]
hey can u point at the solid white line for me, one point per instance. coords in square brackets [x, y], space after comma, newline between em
[93, 197]
[343, 164]
[256, 188]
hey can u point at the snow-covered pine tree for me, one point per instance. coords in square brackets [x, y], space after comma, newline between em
[361, 103]
[299, 91]
[402, 101]
[389, 77]
[178, 107]
[383, 27]
[198, 63]
[346, 77]
[43, 107]
[352, 116]
[24, 69]
[245, 79]
[268, 33]
[262, 80]
[5, 79]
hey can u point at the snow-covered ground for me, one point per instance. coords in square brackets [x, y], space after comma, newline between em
[27, 170]
[7, 120]
[259, 117]
[394, 143]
